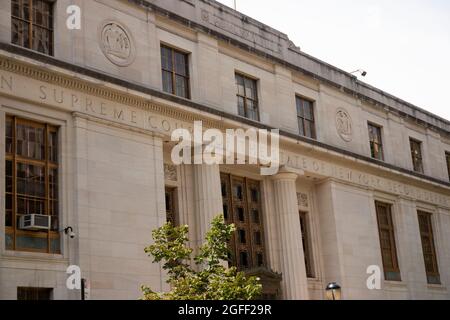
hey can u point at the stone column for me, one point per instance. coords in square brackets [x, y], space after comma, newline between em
[292, 262]
[207, 197]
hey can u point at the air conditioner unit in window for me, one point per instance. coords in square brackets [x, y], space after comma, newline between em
[34, 222]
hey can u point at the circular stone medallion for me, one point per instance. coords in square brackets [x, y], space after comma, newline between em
[116, 43]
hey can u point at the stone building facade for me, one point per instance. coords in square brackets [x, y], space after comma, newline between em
[85, 122]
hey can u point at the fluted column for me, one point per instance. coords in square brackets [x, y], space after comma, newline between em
[292, 262]
[207, 197]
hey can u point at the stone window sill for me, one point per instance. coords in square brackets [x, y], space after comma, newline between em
[396, 285]
[439, 287]
[21, 255]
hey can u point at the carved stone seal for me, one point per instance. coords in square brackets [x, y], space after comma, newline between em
[116, 43]
[344, 125]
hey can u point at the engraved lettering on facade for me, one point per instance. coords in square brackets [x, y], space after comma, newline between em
[6, 83]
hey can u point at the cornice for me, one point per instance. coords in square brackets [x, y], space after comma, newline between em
[49, 74]
[77, 84]
[355, 89]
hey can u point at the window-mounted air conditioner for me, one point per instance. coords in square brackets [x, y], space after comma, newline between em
[34, 222]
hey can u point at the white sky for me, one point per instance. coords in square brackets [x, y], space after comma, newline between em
[404, 45]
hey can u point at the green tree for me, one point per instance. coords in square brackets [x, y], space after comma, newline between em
[210, 280]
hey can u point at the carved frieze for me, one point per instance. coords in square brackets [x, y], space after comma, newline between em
[302, 199]
[170, 172]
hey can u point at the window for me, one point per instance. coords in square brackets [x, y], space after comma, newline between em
[376, 144]
[416, 155]
[175, 72]
[306, 244]
[387, 242]
[305, 118]
[32, 25]
[447, 160]
[428, 248]
[247, 96]
[171, 215]
[31, 184]
[242, 207]
[34, 293]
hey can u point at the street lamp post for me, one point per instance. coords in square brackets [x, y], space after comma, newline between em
[333, 291]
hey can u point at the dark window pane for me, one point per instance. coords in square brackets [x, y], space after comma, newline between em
[308, 110]
[167, 82]
[238, 192]
[53, 146]
[30, 142]
[242, 237]
[166, 58]
[55, 246]
[250, 88]
[8, 176]
[225, 212]
[8, 218]
[240, 85]
[181, 66]
[33, 243]
[301, 127]
[255, 216]
[244, 259]
[241, 106]
[224, 189]
[9, 245]
[55, 223]
[30, 180]
[9, 135]
[34, 293]
[260, 260]
[240, 214]
[258, 238]
[308, 130]
[300, 112]
[181, 87]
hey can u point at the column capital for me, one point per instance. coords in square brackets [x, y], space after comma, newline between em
[286, 173]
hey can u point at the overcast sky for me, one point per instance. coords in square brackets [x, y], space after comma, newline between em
[404, 45]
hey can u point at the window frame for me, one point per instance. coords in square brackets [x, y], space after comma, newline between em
[302, 118]
[249, 225]
[307, 244]
[34, 293]
[32, 25]
[389, 271]
[415, 158]
[49, 202]
[447, 161]
[171, 211]
[430, 234]
[373, 143]
[246, 99]
[174, 73]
